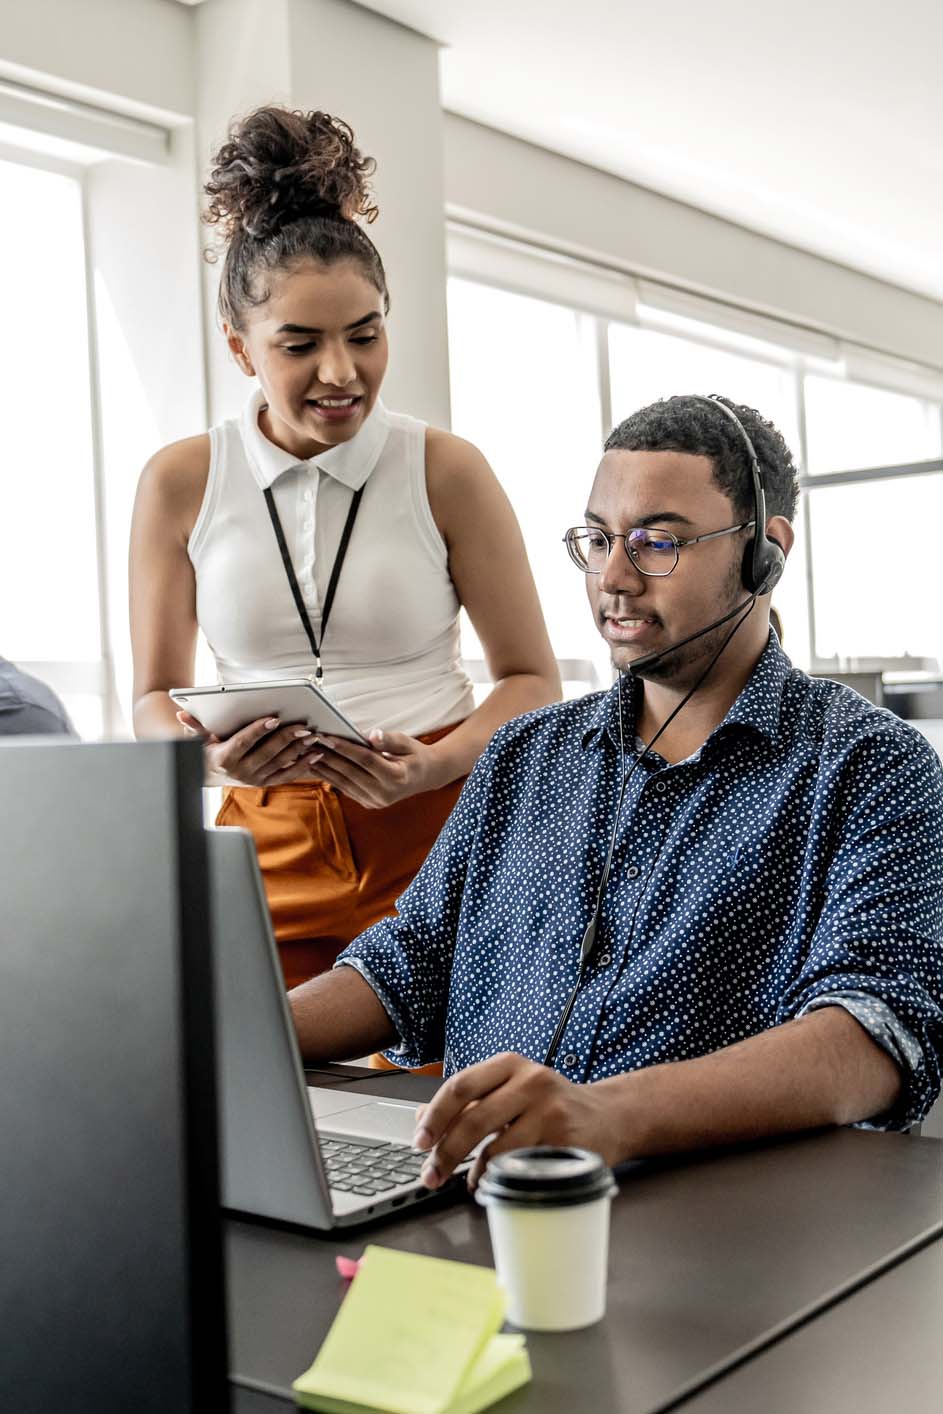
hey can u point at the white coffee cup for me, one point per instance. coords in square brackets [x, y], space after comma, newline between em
[548, 1213]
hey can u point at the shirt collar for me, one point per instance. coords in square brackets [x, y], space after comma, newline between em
[605, 718]
[757, 707]
[349, 462]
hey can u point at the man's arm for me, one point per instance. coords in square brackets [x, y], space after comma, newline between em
[823, 1069]
[338, 1015]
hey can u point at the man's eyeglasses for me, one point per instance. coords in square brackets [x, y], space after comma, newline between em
[654, 552]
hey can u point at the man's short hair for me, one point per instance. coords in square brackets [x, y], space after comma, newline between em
[685, 424]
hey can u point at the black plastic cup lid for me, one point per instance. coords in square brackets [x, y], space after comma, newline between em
[547, 1177]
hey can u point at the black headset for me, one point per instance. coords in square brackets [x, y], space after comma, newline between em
[763, 559]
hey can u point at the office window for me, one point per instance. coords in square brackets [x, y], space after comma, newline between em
[878, 585]
[525, 390]
[49, 574]
[893, 611]
[645, 365]
[548, 355]
[850, 426]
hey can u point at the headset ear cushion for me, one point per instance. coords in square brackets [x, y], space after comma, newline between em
[777, 563]
[768, 570]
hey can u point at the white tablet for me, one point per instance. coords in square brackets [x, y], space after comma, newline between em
[225, 708]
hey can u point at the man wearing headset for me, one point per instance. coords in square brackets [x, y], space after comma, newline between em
[702, 907]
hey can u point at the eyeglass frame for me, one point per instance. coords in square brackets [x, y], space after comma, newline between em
[679, 544]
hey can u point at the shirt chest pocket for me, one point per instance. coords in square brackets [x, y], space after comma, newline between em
[758, 868]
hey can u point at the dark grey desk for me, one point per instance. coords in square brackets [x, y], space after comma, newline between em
[877, 1350]
[712, 1259]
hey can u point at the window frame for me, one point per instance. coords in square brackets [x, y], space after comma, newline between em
[90, 677]
[606, 296]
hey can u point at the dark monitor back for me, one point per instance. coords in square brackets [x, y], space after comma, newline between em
[111, 1292]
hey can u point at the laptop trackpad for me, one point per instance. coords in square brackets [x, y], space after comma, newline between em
[372, 1118]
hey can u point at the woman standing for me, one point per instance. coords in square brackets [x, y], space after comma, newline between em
[240, 532]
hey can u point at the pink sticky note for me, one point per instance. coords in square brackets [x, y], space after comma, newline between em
[347, 1267]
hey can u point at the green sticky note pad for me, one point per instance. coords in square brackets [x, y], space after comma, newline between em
[415, 1335]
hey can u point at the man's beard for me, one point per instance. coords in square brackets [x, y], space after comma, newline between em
[676, 666]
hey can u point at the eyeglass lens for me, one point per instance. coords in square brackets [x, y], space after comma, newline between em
[652, 551]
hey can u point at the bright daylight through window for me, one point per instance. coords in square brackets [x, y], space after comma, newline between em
[49, 579]
[529, 379]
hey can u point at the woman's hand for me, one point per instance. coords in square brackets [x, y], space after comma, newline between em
[265, 753]
[398, 766]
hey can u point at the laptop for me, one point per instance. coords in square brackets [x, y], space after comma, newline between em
[289, 1151]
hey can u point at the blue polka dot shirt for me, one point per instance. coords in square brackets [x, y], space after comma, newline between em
[794, 861]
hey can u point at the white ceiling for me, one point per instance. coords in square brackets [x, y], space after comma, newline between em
[819, 122]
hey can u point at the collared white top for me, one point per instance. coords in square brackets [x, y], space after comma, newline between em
[391, 655]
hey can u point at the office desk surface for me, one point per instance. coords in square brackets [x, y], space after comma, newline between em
[876, 1350]
[711, 1258]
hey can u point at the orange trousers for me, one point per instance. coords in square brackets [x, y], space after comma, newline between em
[331, 868]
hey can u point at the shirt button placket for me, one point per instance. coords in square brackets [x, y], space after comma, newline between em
[310, 493]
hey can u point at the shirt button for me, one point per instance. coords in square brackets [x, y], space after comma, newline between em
[632, 871]
[661, 787]
[570, 1060]
[605, 960]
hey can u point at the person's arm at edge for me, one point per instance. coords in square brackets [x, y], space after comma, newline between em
[162, 584]
[822, 1069]
[338, 1015]
[492, 577]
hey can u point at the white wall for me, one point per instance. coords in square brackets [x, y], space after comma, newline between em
[138, 54]
[523, 190]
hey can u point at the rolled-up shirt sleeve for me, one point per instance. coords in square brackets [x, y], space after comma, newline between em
[877, 948]
[407, 958]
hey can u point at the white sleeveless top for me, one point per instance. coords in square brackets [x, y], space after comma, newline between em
[391, 655]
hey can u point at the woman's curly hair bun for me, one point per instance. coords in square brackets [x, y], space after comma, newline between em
[279, 165]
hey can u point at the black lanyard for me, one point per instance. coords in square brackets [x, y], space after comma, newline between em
[332, 582]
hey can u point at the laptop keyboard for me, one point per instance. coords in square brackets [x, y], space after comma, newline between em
[367, 1166]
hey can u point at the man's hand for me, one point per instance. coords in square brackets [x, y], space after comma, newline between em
[521, 1103]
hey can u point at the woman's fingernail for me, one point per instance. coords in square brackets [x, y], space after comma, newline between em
[377, 736]
[430, 1176]
[191, 731]
[271, 722]
[302, 733]
[315, 757]
[422, 1139]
